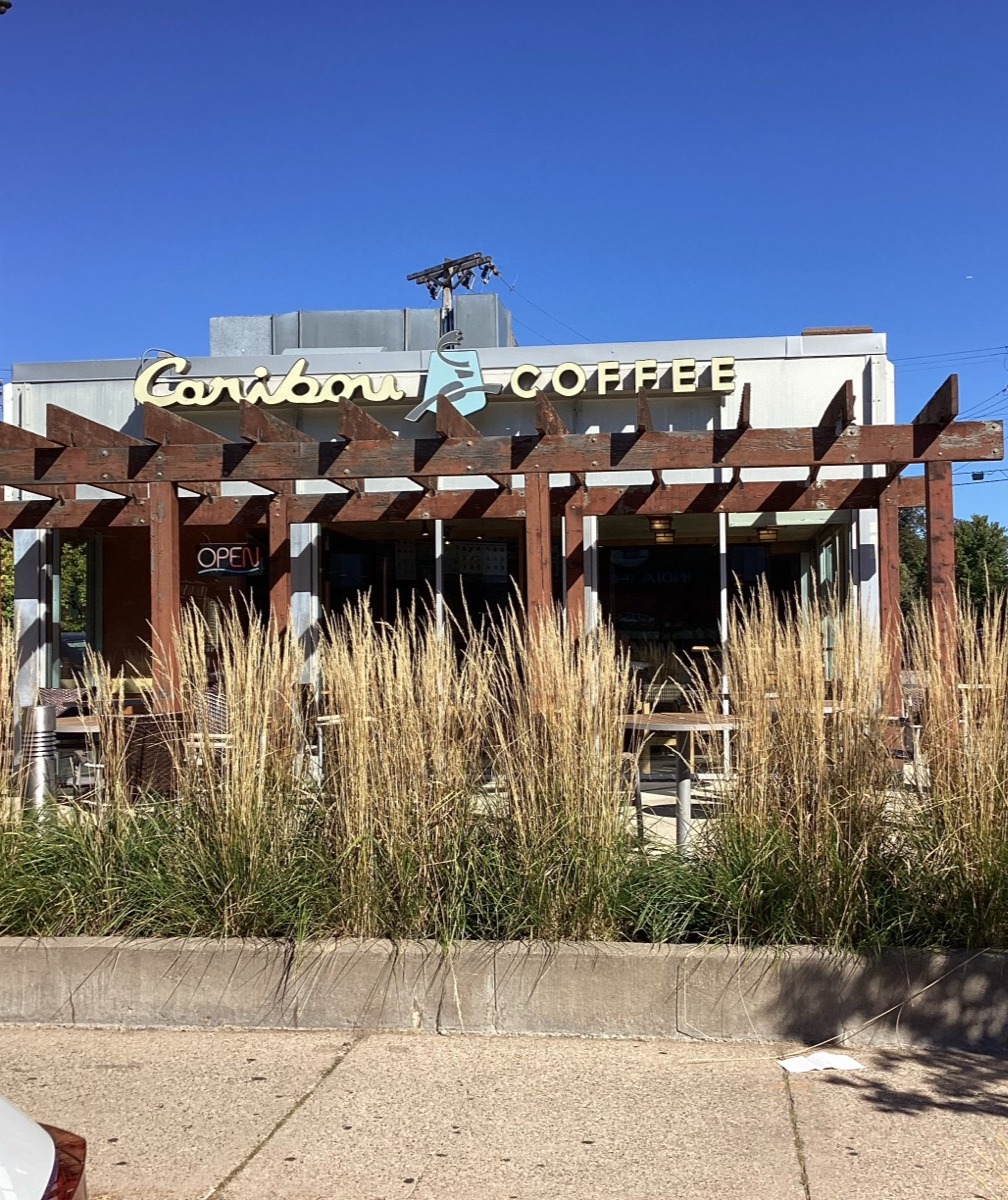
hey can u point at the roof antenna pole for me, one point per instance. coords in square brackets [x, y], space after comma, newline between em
[451, 274]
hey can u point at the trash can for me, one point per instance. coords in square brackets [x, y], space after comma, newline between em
[38, 752]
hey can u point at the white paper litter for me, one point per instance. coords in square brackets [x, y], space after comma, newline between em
[822, 1060]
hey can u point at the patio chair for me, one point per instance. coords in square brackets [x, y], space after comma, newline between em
[150, 755]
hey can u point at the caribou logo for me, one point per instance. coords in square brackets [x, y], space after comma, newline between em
[458, 378]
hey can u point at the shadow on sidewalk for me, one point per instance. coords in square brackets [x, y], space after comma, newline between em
[957, 1003]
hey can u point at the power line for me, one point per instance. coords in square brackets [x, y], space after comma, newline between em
[524, 325]
[511, 287]
[943, 355]
[1001, 477]
[975, 409]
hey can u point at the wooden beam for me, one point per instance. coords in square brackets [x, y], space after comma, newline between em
[745, 408]
[645, 422]
[71, 429]
[943, 407]
[547, 420]
[164, 590]
[279, 562]
[910, 491]
[354, 424]
[962, 441]
[940, 513]
[840, 410]
[13, 437]
[839, 416]
[743, 423]
[68, 428]
[169, 429]
[538, 557]
[762, 495]
[467, 504]
[890, 624]
[574, 561]
[257, 424]
[450, 423]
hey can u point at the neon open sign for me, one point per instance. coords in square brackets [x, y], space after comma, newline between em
[229, 558]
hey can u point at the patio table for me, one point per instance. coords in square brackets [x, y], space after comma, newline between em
[682, 726]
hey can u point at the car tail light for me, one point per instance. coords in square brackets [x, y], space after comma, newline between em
[67, 1180]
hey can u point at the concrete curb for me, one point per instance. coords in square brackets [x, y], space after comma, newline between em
[583, 989]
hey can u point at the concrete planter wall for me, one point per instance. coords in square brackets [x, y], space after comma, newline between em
[593, 990]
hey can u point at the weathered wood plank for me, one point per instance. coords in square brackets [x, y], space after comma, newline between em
[943, 406]
[67, 428]
[962, 441]
[574, 560]
[538, 558]
[889, 593]
[164, 591]
[279, 562]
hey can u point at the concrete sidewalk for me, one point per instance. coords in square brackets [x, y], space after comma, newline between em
[172, 1114]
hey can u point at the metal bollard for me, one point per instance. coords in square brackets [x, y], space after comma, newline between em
[38, 752]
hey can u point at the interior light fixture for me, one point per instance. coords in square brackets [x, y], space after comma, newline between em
[665, 537]
[767, 533]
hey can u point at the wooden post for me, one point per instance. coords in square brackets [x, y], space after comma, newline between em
[279, 562]
[890, 624]
[574, 558]
[941, 557]
[538, 564]
[164, 584]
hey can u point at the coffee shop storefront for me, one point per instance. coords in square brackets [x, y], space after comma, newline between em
[643, 483]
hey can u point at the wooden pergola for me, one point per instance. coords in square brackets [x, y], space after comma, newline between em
[145, 475]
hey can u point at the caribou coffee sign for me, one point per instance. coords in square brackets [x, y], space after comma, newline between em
[296, 387]
[679, 377]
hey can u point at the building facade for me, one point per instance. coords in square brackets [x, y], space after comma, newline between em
[667, 578]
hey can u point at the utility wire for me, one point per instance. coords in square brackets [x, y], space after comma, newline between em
[944, 355]
[511, 287]
[1002, 477]
[524, 325]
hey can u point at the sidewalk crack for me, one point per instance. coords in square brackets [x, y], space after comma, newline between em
[796, 1135]
[218, 1189]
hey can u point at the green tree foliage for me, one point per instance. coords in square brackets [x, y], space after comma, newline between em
[7, 578]
[73, 585]
[73, 571]
[981, 558]
[913, 557]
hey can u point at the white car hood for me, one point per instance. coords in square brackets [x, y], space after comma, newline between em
[27, 1155]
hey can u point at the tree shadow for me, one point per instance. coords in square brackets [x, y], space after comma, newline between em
[912, 1082]
[949, 1011]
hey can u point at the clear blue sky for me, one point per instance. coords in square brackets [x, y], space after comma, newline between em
[642, 170]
